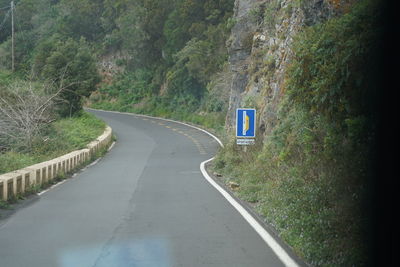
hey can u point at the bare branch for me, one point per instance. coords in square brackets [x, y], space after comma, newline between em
[23, 113]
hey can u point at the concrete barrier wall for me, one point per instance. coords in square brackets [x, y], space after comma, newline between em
[17, 182]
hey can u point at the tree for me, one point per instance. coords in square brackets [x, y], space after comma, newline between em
[138, 30]
[81, 18]
[177, 26]
[24, 44]
[69, 64]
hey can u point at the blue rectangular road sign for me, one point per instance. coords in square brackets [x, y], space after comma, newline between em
[245, 122]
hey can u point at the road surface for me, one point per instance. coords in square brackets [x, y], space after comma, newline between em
[145, 203]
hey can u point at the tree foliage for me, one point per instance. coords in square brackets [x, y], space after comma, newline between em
[81, 18]
[180, 42]
[69, 64]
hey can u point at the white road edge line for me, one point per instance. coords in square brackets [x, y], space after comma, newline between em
[268, 239]
[276, 248]
[111, 146]
[51, 187]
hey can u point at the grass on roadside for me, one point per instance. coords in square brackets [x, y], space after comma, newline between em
[59, 138]
[313, 201]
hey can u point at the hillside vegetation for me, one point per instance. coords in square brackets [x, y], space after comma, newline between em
[41, 101]
[169, 53]
[312, 69]
[310, 176]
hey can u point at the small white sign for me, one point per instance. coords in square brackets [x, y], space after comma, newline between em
[245, 142]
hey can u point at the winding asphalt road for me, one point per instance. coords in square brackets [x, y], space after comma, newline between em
[145, 203]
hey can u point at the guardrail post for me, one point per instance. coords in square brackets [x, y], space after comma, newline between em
[3, 189]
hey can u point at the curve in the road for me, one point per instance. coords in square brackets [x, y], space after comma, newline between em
[260, 229]
[146, 204]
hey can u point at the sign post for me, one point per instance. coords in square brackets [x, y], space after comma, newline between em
[245, 126]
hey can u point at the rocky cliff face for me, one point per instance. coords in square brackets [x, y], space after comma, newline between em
[260, 52]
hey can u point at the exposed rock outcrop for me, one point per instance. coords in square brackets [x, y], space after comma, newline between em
[260, 52]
